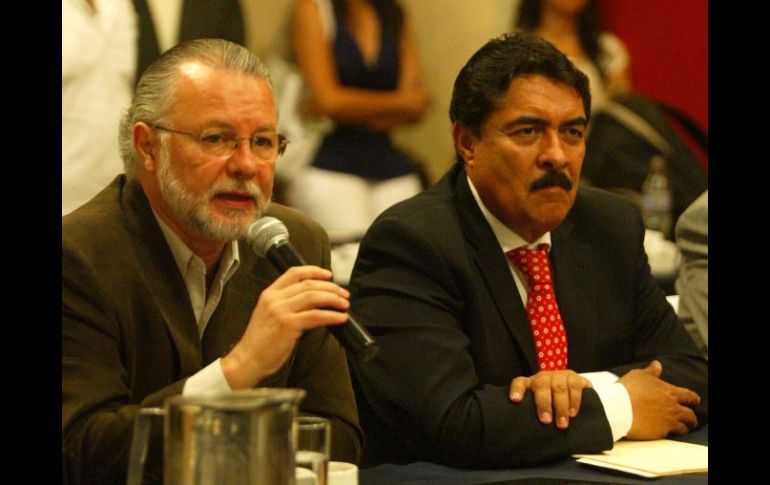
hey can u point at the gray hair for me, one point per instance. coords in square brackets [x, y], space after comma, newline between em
[154, 93]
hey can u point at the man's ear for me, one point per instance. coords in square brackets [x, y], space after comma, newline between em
[147, 145]
[465, 143]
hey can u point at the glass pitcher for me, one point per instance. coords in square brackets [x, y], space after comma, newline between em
[240, 437]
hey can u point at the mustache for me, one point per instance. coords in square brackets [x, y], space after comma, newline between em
[236, 186]
[552, 178]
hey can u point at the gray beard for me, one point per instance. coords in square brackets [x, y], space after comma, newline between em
[194, 213]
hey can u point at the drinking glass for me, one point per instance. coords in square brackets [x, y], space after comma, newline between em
[312, 436]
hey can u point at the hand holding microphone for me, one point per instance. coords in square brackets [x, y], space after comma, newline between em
[300, 299]
[269, 237]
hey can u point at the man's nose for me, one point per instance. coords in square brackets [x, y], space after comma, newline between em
[552, 152]
[243, 163]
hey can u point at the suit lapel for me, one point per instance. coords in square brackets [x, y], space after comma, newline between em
[162, 278]
[575, 287]
[229, 321]
[494, 269]
[239, 297]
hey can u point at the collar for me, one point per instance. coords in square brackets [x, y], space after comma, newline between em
[185, 258]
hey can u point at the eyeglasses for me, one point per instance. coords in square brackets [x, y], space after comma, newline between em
[222, 143]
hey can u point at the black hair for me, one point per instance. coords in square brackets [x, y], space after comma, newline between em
[484, 80]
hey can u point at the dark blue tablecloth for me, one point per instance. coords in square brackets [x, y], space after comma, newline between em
[566, 471]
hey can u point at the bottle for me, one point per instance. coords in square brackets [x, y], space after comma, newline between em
[656, 197]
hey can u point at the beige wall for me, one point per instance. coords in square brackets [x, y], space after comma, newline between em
[447, 31]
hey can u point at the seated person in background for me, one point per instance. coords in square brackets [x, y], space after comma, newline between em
[160, 294]
[692, 284]
[366, 78]
[574, 27]
[479, 367]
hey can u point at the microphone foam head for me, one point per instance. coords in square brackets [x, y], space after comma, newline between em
[264, 233]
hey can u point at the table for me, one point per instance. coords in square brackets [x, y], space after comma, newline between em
[566, 471]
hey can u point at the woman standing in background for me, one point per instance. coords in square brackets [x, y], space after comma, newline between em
[365, 76]
[574, 27]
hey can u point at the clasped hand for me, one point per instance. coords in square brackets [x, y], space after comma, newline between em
[556, 393]
[658, 408]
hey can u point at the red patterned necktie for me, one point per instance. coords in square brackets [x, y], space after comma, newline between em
[542, 311]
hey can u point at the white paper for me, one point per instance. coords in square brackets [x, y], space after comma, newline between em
[651, 458]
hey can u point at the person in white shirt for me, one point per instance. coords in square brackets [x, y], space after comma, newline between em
[98, 57]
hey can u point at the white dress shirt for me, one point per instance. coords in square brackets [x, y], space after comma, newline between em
[612, 394]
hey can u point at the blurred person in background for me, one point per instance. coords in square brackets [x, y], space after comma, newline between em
[574, 27]
[367, 79]
[692, 284]
[98, 57]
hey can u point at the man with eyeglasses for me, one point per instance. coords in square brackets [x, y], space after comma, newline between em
[159, 296]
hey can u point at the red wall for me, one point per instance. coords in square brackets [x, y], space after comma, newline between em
[668, 43]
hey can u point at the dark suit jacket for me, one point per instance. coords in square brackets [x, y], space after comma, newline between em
[129, 337]
[433, 285]
[200, 19]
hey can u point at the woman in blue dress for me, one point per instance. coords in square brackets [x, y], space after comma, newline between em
[363, 73]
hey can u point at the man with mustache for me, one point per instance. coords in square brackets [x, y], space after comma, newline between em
[160, 294]
[516, 314]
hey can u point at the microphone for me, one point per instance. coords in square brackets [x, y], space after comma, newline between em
[269, 237]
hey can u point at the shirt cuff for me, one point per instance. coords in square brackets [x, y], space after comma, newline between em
[615, 400]
[209, 379]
